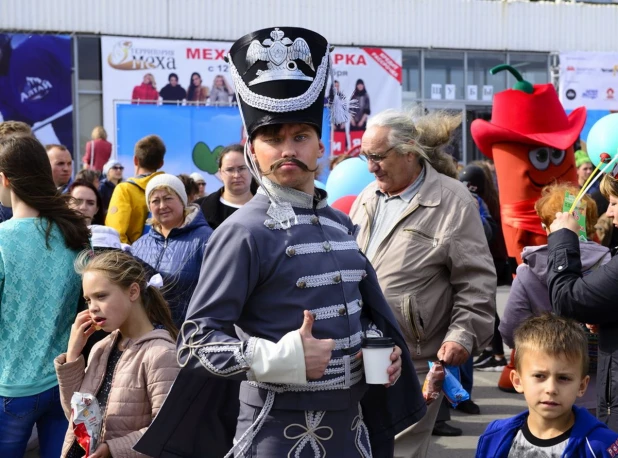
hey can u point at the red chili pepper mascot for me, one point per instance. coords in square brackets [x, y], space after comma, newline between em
[530, 139]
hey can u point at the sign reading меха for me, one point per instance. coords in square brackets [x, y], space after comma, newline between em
[147, 71]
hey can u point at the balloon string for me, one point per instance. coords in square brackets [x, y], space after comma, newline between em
[583, 192]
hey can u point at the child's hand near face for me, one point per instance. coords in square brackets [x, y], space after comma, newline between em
[82, 329]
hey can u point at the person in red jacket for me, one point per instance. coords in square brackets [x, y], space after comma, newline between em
[98, 150]
[145, 91]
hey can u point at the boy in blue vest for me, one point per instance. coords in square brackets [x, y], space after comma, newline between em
[551, 363]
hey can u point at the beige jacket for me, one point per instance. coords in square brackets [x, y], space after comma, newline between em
[143, 376]
[434, 267]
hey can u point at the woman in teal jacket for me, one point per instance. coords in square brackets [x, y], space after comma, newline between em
[39, 292]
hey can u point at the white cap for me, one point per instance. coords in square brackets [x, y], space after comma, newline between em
[166, 179]
[104, 237]
[198, 177]
[109, 164]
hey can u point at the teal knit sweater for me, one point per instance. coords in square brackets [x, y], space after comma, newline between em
[39, 292]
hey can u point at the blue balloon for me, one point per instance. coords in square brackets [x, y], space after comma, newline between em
[319, 184]
[603, 138]
[348, 178]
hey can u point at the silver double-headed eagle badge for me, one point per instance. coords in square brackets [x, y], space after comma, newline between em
[280, 54]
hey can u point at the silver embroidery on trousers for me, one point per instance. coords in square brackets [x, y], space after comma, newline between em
[312, 434]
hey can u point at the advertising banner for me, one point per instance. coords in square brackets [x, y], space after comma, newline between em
[35, 85]
[193, 135]
[146, 71]
[371, 77]
[589, 79]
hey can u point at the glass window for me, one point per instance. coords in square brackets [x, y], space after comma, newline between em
[479, 65]
[533, 67]
[444, 68]
[89, 58]
[411, 74]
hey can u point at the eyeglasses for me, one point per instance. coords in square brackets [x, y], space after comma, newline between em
[118, 167]
[234, 170]
[375, 158]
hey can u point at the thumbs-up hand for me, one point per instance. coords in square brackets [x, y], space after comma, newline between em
[317, 351]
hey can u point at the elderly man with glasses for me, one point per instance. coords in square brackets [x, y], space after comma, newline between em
[420, 228]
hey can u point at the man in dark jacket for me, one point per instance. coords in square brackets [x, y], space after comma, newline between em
[112, 175]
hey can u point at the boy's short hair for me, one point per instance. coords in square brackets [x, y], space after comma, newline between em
[554, 335]
[149, 152]
[14, 127]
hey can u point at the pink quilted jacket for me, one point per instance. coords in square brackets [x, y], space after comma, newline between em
[142, 379]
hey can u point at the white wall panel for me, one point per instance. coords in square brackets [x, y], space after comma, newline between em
[465, 24]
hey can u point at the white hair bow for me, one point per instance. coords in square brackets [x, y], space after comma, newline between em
[155, 281]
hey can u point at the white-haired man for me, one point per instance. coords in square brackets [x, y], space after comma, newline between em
[421, 230]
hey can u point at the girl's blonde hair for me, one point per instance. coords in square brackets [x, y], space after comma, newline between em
[123, 270]
[152, 80]
[99, 132]
[425, 134]
[609, 186]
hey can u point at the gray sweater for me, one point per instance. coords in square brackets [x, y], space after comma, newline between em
[529, 293]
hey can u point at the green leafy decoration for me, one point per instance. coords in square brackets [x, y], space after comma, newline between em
[206, 159]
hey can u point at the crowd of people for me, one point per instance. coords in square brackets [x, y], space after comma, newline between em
[233, 323]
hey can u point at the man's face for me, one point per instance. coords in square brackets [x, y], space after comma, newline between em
[583, 172]
[395, 172]
[173, 81]
[298, 141]
[62, 166]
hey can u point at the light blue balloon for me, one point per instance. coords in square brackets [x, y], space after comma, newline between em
[319, 184]
[348, 178]
[603, 138]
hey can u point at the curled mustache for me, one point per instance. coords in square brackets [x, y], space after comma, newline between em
[278, 163]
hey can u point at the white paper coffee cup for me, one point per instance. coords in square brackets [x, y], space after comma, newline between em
[377, 359]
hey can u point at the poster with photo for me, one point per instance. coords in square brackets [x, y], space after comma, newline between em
[372, 78]
[170, 72]
[35, 85]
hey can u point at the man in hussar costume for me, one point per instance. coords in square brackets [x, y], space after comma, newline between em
[286, 272]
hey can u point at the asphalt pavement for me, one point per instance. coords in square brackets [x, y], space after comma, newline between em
[494, 404]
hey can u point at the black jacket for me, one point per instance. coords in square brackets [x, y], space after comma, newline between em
[214, 211]
[590, 299]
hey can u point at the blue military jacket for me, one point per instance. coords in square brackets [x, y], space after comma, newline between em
[260, 274]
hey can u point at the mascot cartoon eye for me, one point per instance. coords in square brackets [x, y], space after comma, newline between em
[539, 158]
[557, 156]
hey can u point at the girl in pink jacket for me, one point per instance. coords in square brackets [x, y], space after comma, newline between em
[132, 369]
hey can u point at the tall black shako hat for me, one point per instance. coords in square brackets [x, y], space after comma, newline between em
[280, 76]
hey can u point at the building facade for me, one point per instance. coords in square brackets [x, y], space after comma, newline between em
[448, 45]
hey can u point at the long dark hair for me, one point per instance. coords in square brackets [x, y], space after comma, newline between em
[490, 194]
[123, 270]
[192, 86]
[24, 162]
[98, 218]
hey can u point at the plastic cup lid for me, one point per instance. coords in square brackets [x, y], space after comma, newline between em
[378, 342]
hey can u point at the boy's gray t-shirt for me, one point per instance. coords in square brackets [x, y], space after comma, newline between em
[525, 445]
